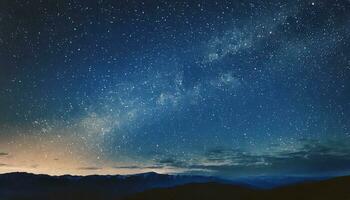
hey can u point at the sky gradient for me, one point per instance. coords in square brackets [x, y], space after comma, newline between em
[223, 88]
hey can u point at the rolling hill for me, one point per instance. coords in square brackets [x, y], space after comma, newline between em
[332, 189]
[25, 186]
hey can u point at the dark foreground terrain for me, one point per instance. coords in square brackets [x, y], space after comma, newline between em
[333, 189]
[23, 186]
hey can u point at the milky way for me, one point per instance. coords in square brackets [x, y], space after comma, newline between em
[224, 88]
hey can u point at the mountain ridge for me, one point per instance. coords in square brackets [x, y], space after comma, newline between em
[331, 189]
[29, 186]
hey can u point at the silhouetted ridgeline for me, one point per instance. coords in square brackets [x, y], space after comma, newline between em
[332, 189]
[24, 186]
[30, 186]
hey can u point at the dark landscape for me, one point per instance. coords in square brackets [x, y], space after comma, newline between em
[337, 188]
[25, 186]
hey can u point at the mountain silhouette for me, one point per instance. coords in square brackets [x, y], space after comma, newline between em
[26, 186]
[332, 189]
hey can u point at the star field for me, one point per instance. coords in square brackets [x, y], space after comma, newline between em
[225, 88]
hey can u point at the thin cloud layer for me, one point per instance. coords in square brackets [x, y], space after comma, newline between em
[312, 156]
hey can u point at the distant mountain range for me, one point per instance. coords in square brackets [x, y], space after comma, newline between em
[331, 189]
[25, 186]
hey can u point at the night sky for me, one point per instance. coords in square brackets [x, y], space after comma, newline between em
[222, 88]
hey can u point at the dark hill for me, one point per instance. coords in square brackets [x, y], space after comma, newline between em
[332, 189]
[25, 186]
[212, 191]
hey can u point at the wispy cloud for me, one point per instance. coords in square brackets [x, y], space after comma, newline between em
[89, 168]
[141, 167]
[3, 165]
[3, 154]
[310, 157]
[34, 166]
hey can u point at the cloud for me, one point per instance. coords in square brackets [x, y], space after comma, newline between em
[89, 168]
[317, 157]
[3, 154]
[172, 162]
[3, 165]
[34, 166]
[142, 167]
[128, 167]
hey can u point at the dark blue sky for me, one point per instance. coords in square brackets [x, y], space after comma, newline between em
[227, 88]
